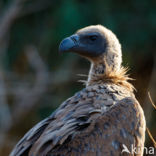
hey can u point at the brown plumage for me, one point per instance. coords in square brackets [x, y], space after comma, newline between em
[100, 119]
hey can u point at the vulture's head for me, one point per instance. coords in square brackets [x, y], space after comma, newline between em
[97, 44]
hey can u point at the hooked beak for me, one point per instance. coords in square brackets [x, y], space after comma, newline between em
[69, 43]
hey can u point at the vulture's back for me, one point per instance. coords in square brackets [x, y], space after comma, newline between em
[97, 121]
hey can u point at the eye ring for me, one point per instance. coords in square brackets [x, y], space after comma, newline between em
[93, 37]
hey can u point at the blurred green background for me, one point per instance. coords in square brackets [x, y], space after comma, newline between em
[35, 79]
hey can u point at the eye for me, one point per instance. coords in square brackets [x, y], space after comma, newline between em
[93, 37]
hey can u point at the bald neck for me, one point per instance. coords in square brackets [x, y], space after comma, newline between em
[95, 71]
[102, 66]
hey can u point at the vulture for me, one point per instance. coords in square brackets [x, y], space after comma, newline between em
[104, 118]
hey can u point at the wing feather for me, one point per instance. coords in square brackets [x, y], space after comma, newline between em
[86, 126]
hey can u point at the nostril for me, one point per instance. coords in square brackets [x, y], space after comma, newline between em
[75, 38]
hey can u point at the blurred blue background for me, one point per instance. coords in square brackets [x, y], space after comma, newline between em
[35, 79]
